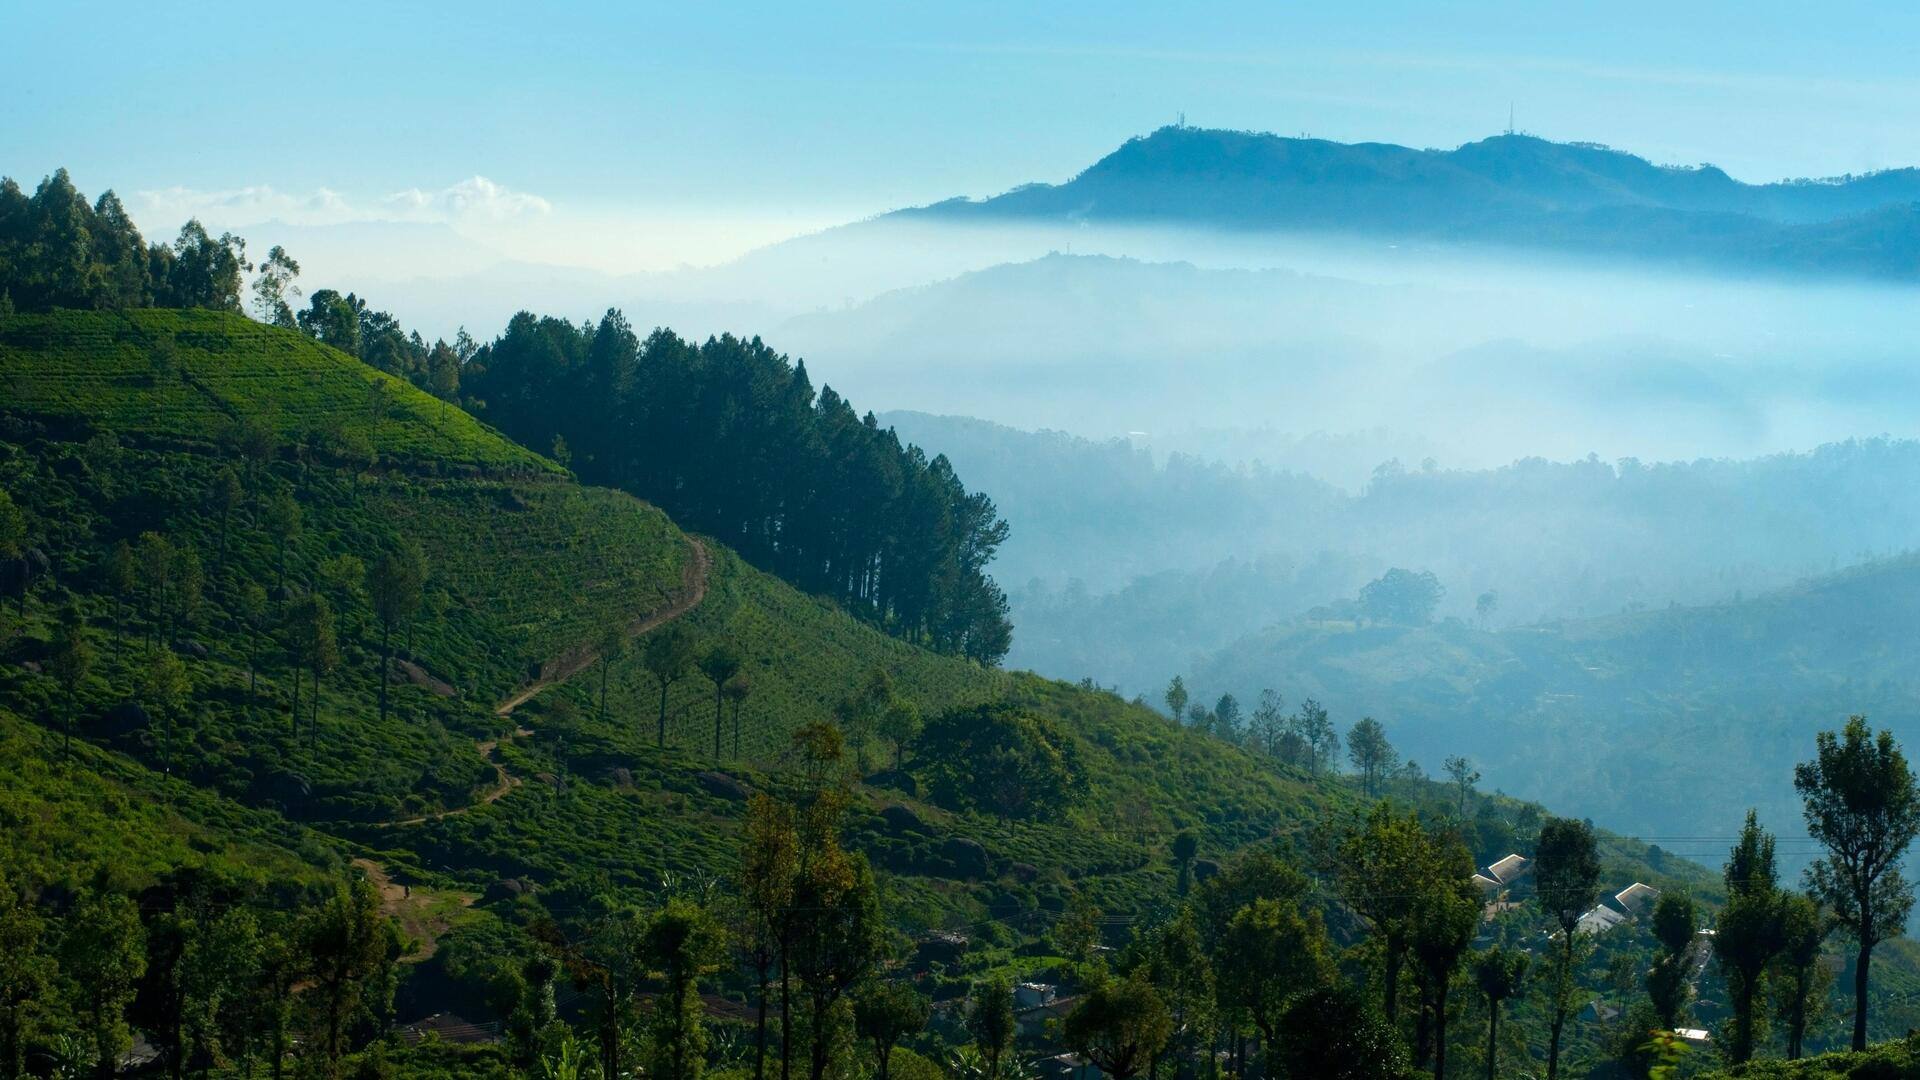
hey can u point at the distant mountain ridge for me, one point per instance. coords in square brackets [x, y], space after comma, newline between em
[1508, 189]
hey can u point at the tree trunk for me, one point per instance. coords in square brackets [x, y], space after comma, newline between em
[1440, 1031]
[1559, 1007]
[609, 1038]
[719, 713]
[1493, 1039]
[819, 1040]
[1742, 1048]
[1860, 995]
[1553, 1043]
[296, 701]
[786, 1011]
[760, 1026]
[1392, 1004]
[604, 665]
[663, 719]
[386, 665]
[1422, 1010]
[1797, 1020]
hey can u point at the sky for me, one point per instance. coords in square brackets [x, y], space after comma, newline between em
[631, 136]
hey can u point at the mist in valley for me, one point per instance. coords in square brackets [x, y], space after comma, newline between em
[1207, 442]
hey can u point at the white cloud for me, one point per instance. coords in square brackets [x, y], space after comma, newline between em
[473, 200]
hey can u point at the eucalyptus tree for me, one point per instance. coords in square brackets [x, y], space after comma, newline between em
[395, 584]
[1863, 806]
[1500, 974]
[668, 654]
[1566, 875]
[1748, 934]
[719, 663]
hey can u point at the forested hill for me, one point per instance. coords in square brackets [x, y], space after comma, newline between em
[730, 438]
[1663, 721]
[727, 436]
[1576, 197]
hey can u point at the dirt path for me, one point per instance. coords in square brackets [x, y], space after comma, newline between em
[504, 782]
[692, 590]
[423, 914]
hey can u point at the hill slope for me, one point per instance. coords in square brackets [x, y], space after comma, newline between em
[471, 795]
[525, 571]
[1625, 718]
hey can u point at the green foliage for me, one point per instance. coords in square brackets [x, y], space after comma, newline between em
[990, 1019]
[725, 435]
[1863, 805]
[682, 942]
[1333, 1034]
[1402, 597]
[884, 1013]
[1271, 953]
[1893, 1060]
[1120, 1026]
[56, 251]
[77, 373]
[1012, 761]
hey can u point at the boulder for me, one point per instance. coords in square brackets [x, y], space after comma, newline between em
[969, 859]
[407, 672]
[941, 947]
[509, 889]
[191, 648]
[721, 785]
[124, 719]
[15, 575]
[902, 819]
[620, 776]
[1024, 872]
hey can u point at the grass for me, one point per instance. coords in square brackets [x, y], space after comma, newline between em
[185, 377]
[102, 816]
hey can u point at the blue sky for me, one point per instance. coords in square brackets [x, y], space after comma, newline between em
[707, 126]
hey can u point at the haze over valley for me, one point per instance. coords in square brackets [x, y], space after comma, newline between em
[858, 542]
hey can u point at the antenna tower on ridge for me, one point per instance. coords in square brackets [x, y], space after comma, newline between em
[1509, 117]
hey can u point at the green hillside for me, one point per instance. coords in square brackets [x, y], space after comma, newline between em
[480, 804]
[183, 378]
[525, 571]
[1608, 717]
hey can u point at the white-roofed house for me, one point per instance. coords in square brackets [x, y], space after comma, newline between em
[1510, 869]
[1636, 899]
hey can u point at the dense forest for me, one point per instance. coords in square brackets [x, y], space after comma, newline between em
[728, 436]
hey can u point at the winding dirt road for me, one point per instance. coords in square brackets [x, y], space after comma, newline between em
[692, 590]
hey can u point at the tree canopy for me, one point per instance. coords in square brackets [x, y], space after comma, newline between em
[730, 438]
